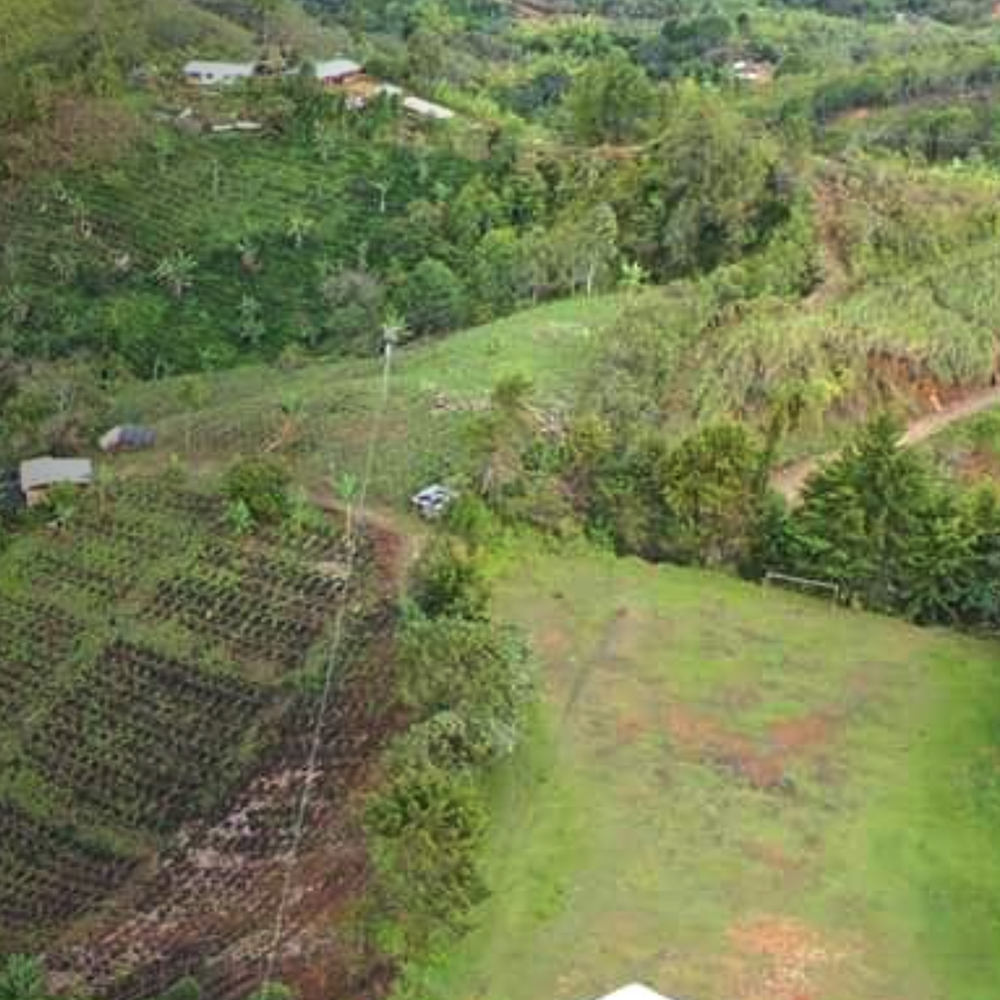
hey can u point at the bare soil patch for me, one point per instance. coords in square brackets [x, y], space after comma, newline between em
[764, 764]
[778, 958]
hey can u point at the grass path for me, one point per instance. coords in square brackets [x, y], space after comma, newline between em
[738, 795]
[791, 479]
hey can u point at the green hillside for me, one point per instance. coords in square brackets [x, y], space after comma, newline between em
[735, 793]
[670, 301]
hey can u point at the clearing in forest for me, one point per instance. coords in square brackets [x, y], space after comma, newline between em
[734, 794]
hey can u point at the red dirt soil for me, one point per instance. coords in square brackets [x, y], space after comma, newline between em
[790, 480]
[762, 764]
[777, 958]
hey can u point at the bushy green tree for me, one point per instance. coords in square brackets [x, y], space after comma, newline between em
[498, 273]
[259, 484]
[448, 582]
[711, 486]
[501, 435]
[609, 101]
[425, 827]
[433, 299]
[707, 189]
[866, 518]
[354, 305]
[471, 669]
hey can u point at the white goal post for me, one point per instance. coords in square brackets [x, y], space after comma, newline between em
[772, 579]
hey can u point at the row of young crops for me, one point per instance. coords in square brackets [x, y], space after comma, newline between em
[255, 223]
[145, 669]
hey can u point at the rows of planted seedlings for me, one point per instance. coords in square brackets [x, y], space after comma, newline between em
[89, 569]
[35, 638]
[47, 874]
[147, 740]
[288, 582]
[263, 604]
[133, 534]
[168, 498]
[250, 630]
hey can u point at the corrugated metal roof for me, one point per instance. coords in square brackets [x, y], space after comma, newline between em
[209, 70]
[334, 69]
[37, 473]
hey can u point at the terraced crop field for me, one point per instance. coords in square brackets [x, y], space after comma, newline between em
[152, 664]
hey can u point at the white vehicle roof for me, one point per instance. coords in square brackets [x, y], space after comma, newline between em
[634, 992]
[433, 492]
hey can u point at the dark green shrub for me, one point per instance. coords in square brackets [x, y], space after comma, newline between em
[449, 582]
[261, 485]
[425, 827]
[433, 299]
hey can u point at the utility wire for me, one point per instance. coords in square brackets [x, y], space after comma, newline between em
[355, 515]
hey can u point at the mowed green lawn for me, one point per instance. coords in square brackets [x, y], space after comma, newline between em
[737, 794]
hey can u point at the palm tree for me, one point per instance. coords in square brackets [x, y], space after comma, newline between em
[176, 272]
[251, 322]
[299, 227]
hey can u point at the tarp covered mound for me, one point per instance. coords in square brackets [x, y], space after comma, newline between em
[128, 437]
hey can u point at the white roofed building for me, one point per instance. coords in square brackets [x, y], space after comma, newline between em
[39, 475]
[206, 73]
[332, 72]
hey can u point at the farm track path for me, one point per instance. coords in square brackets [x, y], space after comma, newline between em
[790, 480]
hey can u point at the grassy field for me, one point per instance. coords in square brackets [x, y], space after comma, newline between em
[737, 795]
[436, 387]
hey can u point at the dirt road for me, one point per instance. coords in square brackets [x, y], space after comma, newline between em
[790, 479]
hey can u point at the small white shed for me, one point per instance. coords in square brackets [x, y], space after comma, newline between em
[207, 73]
[332, 72]
[39, 475]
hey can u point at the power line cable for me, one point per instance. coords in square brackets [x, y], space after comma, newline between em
[355, 515]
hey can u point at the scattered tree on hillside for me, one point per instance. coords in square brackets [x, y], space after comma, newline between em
[176, 272]
[712, 492]
[433, 299]
[609, 101]
[502, 434]
[354, 304]
[705, 192]
[864, 517]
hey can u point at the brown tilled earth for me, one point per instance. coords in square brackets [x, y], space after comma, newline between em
[208, 905]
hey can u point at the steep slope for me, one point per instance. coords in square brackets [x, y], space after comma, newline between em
[159, 676]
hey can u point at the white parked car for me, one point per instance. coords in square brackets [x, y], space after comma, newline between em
[433, 501]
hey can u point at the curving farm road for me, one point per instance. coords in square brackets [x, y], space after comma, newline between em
[790, 479]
